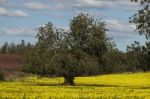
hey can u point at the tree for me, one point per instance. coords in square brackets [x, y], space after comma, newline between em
[142, 21]
[140, 56]
[135, 56]
[78, 51]
[71, 62]
[12, 48]
[146, 57]
[83, 48]
[44, 50]
[4, 48]
[142, 18]
[115, 61]
[89, 35]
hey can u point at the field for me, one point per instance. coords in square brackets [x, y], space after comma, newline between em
[114, 86]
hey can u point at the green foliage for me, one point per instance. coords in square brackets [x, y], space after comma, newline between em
[4, 48]
[139, 56]
[115, 61]
[12, 48]
[142, 18]
[146, 57]
[89, 35]
[83, 50]
[79, 51]
[2, 77]
[39, 59]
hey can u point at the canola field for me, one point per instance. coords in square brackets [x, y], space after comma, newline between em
[113, 86]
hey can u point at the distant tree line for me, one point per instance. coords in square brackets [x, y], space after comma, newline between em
[7, 50]
[12, 48]
[139, 56]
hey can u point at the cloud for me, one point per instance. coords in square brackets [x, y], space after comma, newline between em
[36, 5]
[3, 11]
[2, 1]
[44, 6]
[93, 4]
[105, 4]
[19, 13]
[98, 4]
[121, 26]
[120, 29]
[127, 5]
[19, 31]
[75, 4]
[16, 13]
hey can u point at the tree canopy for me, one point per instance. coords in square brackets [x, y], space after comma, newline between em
[70, 53]
[142, 18]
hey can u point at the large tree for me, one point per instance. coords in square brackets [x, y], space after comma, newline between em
[142, 18]
[83, 49]
[78, 51]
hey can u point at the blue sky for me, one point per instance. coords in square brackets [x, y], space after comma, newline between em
[20, 18]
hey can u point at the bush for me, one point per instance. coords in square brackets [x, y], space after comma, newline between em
[2, 75]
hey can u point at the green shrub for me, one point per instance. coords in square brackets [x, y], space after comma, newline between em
[2, 75]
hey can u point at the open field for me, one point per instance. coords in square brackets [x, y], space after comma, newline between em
[114, 86]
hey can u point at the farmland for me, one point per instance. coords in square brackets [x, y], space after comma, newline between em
[113, 86]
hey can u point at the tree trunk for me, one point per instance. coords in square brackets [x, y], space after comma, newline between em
[69, 81]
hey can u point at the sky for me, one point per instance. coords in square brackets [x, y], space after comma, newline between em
[19, 19]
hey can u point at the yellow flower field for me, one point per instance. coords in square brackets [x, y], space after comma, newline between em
[114, 86]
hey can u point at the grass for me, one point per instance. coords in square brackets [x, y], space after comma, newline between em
[114, 86]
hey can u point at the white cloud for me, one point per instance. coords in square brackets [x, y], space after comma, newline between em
[20, 31]
[19, 13]
[2, 1]
[59, 7]
[93, 3]
[99, 4]
[127, 5]
[120, 26]
[44, 6]
[16, 13]
[37, 5]
[120, 29]
[3, 11]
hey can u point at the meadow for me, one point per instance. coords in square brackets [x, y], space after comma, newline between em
[112, 86]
